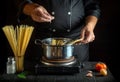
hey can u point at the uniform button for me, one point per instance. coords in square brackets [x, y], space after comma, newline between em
[69, 13]
[68, 30]
[53, 30]
[53, 13]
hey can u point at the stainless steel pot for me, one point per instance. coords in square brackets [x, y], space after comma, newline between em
[55, 48]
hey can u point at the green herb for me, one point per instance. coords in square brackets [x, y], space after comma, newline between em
[22, 75]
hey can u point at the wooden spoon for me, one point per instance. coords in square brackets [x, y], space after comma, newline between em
[74, 41]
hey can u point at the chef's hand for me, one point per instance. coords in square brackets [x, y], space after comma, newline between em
[37, 12]
[87, 35]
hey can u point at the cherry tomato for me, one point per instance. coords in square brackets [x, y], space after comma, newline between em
[100, 65]
[103, 72]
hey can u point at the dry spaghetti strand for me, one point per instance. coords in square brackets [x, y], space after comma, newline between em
[18, 39]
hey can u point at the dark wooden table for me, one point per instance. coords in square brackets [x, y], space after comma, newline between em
[78, 77]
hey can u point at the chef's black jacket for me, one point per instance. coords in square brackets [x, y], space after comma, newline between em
[69, 17]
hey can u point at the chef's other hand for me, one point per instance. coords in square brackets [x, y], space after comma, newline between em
[37, 12]
[87, 35]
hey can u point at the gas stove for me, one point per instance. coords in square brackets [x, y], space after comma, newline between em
[45, 67]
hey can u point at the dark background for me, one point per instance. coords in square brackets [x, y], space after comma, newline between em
[104, 48]
[106, 45]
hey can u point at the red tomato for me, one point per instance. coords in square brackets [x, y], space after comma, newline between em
[100, 65]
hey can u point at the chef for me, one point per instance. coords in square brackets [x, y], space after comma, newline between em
[75, 19]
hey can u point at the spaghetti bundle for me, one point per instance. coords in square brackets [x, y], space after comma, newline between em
[18, 39]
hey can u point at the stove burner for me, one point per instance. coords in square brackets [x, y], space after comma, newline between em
[61, 68]
[58, 62]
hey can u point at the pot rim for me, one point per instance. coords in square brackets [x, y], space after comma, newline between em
[47, 40]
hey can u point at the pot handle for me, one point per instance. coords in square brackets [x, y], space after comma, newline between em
[38, 42]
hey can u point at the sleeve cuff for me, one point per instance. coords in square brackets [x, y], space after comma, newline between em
[94, 13]
[20, 14]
